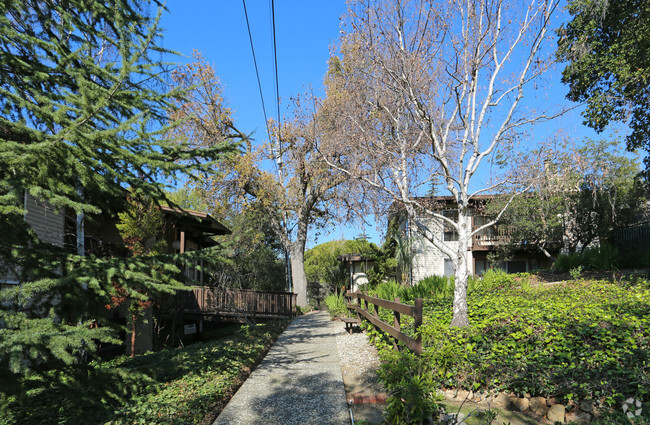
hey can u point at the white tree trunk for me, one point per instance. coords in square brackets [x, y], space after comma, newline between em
[462, 263]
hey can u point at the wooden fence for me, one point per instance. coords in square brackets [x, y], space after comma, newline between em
[207, 300]
[361, 307]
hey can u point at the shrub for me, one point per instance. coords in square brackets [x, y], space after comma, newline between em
[566, 262]
[603, 258]
[180, 386]
[389, 290]
[576, 273]
[407, 378]
[633, 258]
[433, 286]
[336, 305]
[493, 279]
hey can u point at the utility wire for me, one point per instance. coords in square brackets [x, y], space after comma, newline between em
[279, 161]
[257, 72]
[277, 86]
[266, 120]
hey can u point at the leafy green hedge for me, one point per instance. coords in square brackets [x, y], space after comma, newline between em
[336, 305]
[180, 386]
[574, 340]
[605, 257]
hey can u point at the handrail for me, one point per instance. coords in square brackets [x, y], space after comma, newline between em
[415, 311]
[202, 299]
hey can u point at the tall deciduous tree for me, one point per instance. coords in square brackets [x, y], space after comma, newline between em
[607, 47]
[253, 253]
[83, 107]
[427, 92]
[294, 197]
[301, 194]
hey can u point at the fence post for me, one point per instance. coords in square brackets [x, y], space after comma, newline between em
[396, 325]
[419, 303]
[358, 305]
[366, 302]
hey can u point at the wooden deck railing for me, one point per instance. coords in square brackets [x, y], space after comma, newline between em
[207, 300]
[491, 236]
[497, 235]
[361, 307]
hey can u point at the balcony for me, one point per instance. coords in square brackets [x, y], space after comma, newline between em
[490, 237]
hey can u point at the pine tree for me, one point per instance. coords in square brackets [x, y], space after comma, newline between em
[83, 107]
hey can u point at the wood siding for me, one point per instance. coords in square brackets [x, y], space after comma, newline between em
[45, 220]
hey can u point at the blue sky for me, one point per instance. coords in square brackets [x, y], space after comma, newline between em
[305, 31]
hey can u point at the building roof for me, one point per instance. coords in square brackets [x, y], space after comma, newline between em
[203, 222]
[352, 258]
[439, 202]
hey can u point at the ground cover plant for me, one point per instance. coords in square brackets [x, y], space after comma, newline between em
[574, 340]
[187, 385]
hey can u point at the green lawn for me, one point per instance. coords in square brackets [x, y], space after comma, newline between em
[181, 386]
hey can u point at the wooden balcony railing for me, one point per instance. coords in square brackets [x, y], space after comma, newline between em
[207, 300]
[497, 235]
[494, 235]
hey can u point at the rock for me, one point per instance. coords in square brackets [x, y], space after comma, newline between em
[520, 403]
[578, 417]
[556, 413]
[462, 395]
[538, 406]
[597, 413]
[479, 397]
[587, 406]
[551, 401]
[502, 400]
[527, 395]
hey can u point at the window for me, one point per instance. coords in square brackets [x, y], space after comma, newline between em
[516, 266]
[449, 233]
[449, 267]
[480, 267]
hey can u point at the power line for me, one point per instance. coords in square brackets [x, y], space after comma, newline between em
[257, 72]
[278, 163]
[279, 160]
[277, 86]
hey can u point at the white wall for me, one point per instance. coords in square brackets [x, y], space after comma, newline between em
[428, 259]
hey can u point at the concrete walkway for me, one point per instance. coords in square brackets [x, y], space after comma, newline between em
[298, 382]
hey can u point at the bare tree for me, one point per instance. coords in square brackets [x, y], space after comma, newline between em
[302, 192]
[285, 178]
[424, 93]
